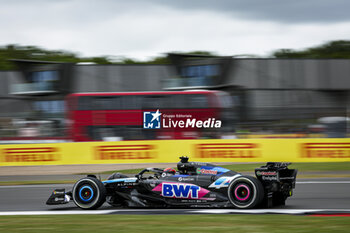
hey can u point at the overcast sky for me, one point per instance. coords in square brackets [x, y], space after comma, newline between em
[146, 28]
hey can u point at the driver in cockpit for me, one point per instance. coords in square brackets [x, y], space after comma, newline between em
[182, 166]
[169, 172]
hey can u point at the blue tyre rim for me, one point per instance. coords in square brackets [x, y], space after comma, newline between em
[86, 193]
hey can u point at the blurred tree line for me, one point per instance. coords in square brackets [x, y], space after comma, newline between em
[333, 49]
[9, 52]
[35, 53]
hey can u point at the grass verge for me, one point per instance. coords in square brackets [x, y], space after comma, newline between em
[341, 169]
[173, 223]
[302, 167]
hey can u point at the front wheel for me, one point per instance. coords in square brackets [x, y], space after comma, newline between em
[89, 193]
[245, 192]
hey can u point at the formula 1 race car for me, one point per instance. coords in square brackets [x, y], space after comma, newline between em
[195, 184]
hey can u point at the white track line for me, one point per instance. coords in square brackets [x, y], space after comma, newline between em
[268, 211]
[203, 211]
[63, 212]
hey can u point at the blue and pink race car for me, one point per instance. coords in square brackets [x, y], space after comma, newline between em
[195, 184]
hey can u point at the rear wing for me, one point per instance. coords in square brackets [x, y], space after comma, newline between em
[276, 172]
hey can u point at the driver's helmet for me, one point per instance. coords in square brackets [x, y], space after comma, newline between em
[169, 171]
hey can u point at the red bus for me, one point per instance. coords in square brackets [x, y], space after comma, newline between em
[119, 116]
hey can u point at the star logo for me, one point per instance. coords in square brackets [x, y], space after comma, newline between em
[156, 115]
[151, 120]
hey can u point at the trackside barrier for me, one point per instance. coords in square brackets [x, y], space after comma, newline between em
[237, 150]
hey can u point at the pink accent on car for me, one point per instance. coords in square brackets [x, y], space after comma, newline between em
[246, 188]
[192, 192]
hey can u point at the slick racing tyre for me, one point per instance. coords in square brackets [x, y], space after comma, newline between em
[89, 193]
[245, 192]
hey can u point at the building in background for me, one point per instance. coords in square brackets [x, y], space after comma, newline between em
[267, 95]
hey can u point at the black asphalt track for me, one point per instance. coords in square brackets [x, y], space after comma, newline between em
[325, 194]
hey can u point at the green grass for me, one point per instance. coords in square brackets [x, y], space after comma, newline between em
[334, 166]
[173, 223]
[246, 167]
[303, 167]
[124, 171]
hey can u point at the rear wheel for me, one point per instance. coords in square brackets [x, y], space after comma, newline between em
[89, 193]
[245, 192]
